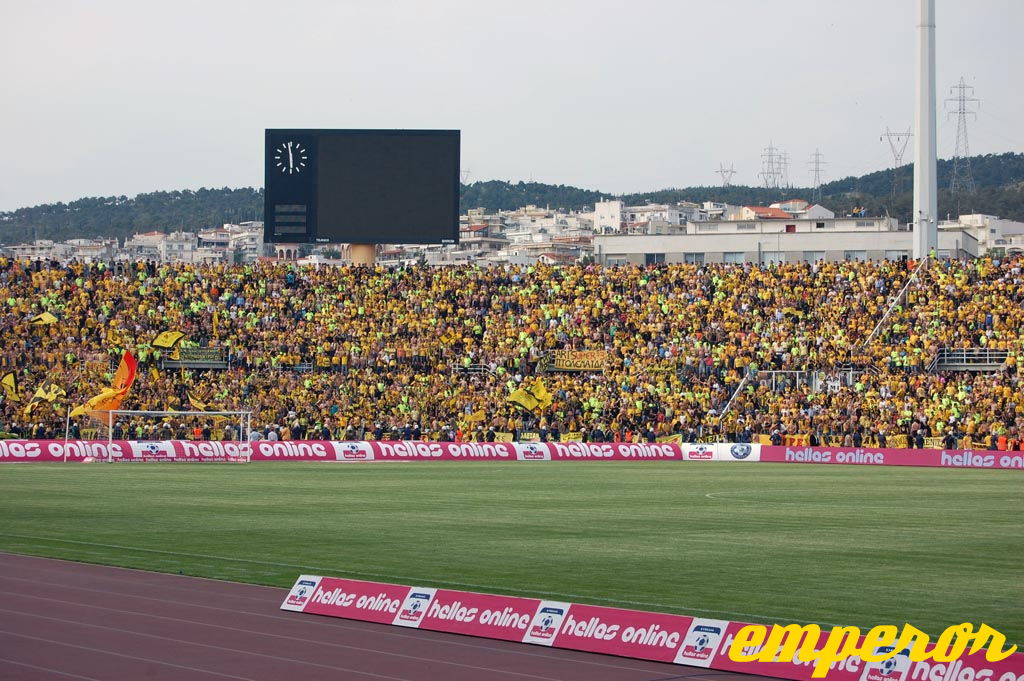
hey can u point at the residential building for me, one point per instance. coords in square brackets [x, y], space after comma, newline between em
[40, 249]
[776, 240]
[989, 230]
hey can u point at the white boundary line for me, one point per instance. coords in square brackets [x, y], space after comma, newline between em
[51, 671]
[298, 661]
[104, 651]
[340, 623]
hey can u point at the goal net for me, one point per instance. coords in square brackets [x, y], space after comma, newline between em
[180, 436]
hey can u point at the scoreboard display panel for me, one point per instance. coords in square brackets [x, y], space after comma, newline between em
[361, 186]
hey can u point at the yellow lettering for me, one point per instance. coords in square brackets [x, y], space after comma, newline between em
[916, 640]
[841, 643]
[954, 639]
[750, 635]
[995, 653]
[792, 643]
[783, 643]
[878, 637]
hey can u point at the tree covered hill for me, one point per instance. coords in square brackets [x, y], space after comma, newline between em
[999, 177]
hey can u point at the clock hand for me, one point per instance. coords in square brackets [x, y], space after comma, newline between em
[291, 163]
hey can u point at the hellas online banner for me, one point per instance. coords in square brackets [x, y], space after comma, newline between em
[27, 451]
[792, 652]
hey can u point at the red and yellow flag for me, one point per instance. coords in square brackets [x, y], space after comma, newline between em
[112, 397]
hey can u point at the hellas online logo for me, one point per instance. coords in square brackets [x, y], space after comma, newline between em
[754, 643]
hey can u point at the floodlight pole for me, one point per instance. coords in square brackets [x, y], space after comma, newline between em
[925, 238]
[363, 254]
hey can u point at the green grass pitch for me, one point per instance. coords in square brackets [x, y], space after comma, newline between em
[767, 542]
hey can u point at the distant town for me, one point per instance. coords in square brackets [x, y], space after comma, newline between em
[612, 234]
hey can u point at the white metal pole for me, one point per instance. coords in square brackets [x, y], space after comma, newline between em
[925, 182]
[67, 429]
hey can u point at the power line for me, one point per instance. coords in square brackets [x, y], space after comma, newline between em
[898, 143]
[816, 163]
[962, 181]
[726, 174]
[770, 167]
[784, 170]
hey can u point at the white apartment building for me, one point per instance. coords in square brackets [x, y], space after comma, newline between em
[40, 249]
[178, 247]
[92, 250]
[144, 246]
[775, 240]
[607, 217]
[245, 241]
[83, 250]
[990, 231]
[1011, 245]
[663, 213]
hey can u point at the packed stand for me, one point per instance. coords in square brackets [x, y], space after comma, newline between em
[426, 352]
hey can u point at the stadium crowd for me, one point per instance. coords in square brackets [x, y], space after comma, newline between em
[349, 352]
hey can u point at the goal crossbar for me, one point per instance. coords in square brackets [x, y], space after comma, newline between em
[242, 418]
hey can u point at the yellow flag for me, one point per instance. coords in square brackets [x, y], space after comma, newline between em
[47, 392]
[43, 319]
[196, 403]
[476, 416]
[199, 405]
[10, 384]
[111, 398]
[53, 391]
[154, 373]
[541, 394]
[167, 339]
[523, 399]
[107, 400]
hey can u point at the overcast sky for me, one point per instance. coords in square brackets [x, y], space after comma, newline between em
[110, 98]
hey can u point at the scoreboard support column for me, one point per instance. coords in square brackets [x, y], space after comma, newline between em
[363, 254]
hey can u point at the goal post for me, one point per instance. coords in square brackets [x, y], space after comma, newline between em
[162, 426]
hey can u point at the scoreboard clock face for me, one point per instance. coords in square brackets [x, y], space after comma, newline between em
[361, 186]
[290, 157]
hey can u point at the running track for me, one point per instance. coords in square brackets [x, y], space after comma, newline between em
[61, 620]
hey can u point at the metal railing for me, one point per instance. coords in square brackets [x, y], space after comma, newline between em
[898, 299]
[981, 358]
[472, 368]
[735, 394]
[818, 380]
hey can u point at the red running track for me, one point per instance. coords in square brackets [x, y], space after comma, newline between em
[61, 620]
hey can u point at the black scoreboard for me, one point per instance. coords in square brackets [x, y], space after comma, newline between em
[361, 186]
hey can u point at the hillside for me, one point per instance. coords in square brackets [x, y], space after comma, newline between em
[999, 177]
